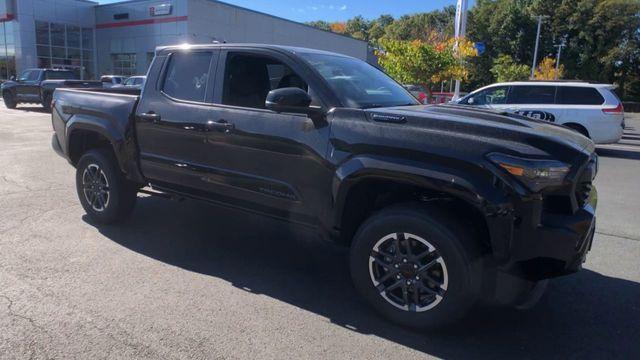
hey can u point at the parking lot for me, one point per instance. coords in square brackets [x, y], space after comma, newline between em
[188, 280]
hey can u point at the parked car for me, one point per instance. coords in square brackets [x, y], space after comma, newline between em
[109, 81]
[418, 91]
[438, 97]
[136, 82]
[441, 205]
[593, 110]
[37, 86]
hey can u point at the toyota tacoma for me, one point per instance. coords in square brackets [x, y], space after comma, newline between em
[442, 206]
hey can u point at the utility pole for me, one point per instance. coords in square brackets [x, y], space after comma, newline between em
[460, 28]
[562, 44]
[535, 50]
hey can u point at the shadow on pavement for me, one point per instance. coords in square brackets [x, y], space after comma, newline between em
[618, 153]
[586, 315]
[37, 108]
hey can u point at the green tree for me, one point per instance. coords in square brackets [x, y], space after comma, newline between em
[506, 69]
[358, 28]
[320, 24]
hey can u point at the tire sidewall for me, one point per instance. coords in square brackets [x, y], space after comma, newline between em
[9, 100]
[459, 295]
[116, 190]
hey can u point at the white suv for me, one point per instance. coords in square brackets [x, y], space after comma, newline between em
[592, 109]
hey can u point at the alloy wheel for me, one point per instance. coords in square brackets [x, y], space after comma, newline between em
[408, 272]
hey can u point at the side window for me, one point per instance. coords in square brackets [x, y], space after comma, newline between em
[524, 94]
[496, 95]
[29, 75]
[249, 78]
[577, 95]
[186, 75]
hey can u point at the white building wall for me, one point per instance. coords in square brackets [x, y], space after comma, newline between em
[133, 35]
[212, 20]
[70, 12]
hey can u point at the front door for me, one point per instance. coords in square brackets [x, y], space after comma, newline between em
[28, 88]
[271, 162]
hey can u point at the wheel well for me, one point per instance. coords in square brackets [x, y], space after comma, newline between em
[579, 128]
[369, 196]
[82, 141]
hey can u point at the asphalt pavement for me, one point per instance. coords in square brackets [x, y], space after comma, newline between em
[190, 280]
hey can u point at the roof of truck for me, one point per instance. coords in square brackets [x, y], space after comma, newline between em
[289, 49]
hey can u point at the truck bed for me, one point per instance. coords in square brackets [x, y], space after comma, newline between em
[110, 109]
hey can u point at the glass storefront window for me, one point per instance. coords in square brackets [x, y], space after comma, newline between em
[73, 36]
[65, 46]
[124, 64]
[42, 33]
[7, 50]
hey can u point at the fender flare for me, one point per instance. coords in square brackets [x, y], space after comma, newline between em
[492, 203]
[114, 135]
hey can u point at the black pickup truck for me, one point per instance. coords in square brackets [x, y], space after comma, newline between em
[37, 86]
[442, 206]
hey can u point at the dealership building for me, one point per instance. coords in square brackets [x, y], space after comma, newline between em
[120, 38]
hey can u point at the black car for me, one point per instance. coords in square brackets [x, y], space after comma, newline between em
[442, 206]
[37, 86]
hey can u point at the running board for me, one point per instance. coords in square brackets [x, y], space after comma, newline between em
[160, 194]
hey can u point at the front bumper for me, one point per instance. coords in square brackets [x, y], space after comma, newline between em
[553, 245]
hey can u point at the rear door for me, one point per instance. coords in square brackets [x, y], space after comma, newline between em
[534, 101]
[172, 116]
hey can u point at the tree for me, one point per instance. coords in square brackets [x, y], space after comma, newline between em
[358, 28]
[320, 24]
[418, 62]
[506, 69]
[378, 27]
[338, 27]
[547, 70]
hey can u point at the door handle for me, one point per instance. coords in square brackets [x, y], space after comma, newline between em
[150, 116]
[220, 125]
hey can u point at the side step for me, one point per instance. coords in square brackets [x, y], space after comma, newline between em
[151, 192]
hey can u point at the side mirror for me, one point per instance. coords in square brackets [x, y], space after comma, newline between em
[470, 101]
[12, 78]
[290, 99]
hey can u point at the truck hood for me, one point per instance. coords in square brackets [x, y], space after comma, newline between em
[495, 129]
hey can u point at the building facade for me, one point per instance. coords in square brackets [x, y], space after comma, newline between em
[120, 38]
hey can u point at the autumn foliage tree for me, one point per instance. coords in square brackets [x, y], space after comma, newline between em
[546, 70]
[418, 62]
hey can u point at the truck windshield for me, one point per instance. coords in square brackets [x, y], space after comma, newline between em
[358, 84]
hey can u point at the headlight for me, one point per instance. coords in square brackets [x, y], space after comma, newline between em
[533, 173]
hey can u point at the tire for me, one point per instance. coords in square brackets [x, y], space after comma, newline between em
[455, 273]
[580, 129]
[97, 170]
[9, 101]
[46, 102]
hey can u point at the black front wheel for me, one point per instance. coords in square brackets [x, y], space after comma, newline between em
[104, 193]
[415, 266]
[9, 101]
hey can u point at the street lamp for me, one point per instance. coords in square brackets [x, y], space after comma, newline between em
[460, 27]
[535, 51]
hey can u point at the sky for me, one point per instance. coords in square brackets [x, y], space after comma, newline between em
[336, 10]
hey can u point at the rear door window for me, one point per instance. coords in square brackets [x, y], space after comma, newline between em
[530, 94]
[575, 95]
[187, 76]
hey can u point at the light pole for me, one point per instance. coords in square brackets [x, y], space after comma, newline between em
[460, 27]
[562, 44]
[535, 50]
